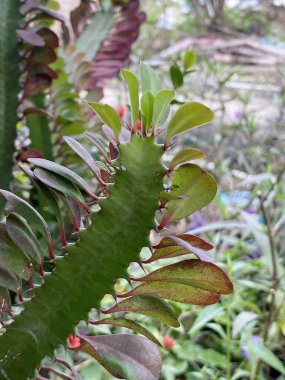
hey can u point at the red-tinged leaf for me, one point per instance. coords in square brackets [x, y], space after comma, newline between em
[125, 356]
[193, 240]
[58, 183]
[175, 292]
[29, 37]
[36, 83]
[9, 281]
[127, 323]
[85, 155]
[184, 156]
[196, 273]
[65, 173]
[151, 306]
[35, 219]
[98, 144]
[22, 235]
[167, 252]
[41, 68]
[29, 153]
[43, 54]
[49, 37]
[32, 5]
[195, 188]
[109, 133]
[12, 258]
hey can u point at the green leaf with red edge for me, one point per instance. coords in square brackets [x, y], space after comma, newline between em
[85, 155]
[64, 172]
[188, 116]
[175, 292]
[22, 235]
[42, 54]
[58, 183]
[12, 258]
[167, 252]
[195, 187]
[173, 246]
[37, 111]
[108, 115]
[42, 68]
[165, 197]
[196, 273]
[9, 281]
[186, 155]
[195, 241]
[150, 306]
[127, 323]
[125, 356]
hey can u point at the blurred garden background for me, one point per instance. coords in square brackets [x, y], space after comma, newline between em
[230, 55]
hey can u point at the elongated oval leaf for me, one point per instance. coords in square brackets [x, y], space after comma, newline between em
[108, 115]
[175, 292]
[186, 155]
[127, 323]
[133, 86]
[176, 76]
[147, 102]
[149, 79]
[167, 252]
[22, 235]
[20, 206]
[161, 106]
[125, 356]
[196, 273]
[58, 183]
[196, 188]
[85, 155]
[12, 258]
[9, 281]
[189, 59]
[151, 306]
[188, 116]
[63, 172]
[193, 240]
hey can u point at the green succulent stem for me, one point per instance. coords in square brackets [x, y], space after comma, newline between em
[102, 254]
[9, 87]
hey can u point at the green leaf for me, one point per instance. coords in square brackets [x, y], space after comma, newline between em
[259, 351]
[193, 240]
[195, 187]
[184, 156]
[127, 323]
[108, 115]
[161, 106]
[167, 252]
[133, 85]
[125, 356]
[188, 116]
[196, 273]
[64, 172]
[206, 315]
[58, 183]
[13, 258]
[22, 235]
[147, 102]
[9, 281]
[176, 76]
[20, 206]
[149, 79]
[175, 292]
[189, 59]
[151, 306]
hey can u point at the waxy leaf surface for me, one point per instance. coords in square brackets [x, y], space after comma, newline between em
[108, 115]
[186, 155]
[133, 86]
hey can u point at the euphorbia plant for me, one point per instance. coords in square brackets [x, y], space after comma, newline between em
[135, 194]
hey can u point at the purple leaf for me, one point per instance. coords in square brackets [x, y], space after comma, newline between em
[30, 37]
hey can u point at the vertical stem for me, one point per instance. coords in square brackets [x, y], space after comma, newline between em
[228, 358]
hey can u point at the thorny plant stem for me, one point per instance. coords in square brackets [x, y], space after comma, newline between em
[275, 279]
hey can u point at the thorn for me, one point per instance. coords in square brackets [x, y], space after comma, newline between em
[142, 267]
